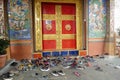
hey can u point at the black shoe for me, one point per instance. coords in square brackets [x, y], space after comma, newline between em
[98, 69]
[14, 64]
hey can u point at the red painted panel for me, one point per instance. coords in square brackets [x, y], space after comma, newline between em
[68, 9]
[37, 55]
[48, 8]
[83, 53]
[49, 44]
[69, 44]
[72, 26]
[48, 27]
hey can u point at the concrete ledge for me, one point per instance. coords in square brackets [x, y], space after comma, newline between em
[6, 67]
[109, 56]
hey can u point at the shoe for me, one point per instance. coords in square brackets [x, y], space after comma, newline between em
[61, 72]
[7, 78]
[117, 67]
[80, 62]
[14, 64]
[11, 74]
[98, 69]
[45, 76]
[77, 74]
[45, 69]
[79, 67]
[42, 69]
[54, 73]
[66, 67]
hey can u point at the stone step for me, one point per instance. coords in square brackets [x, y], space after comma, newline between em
[7, 67]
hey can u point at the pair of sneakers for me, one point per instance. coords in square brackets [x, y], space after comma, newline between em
[57, 73]
[7, 76]
[45, 69]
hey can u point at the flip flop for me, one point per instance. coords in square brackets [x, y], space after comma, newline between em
[77, 74]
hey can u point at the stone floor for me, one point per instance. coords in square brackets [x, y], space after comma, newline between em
[107, 65]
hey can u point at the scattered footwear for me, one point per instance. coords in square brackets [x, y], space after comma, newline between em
[88, 64]
[45, 69]
[61, 72]
[79, 67]
[80, 62]
[55, 73]
[7, 76]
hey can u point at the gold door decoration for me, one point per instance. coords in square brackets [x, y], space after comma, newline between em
[38, 23]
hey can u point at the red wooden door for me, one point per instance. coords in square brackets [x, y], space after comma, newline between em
[58, 26]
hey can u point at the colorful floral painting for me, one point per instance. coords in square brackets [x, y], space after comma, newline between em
[97, 18]
[19, 19]
[2, 27]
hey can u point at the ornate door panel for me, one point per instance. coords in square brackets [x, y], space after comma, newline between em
[58, 24]
[48, 26]
[68, 26]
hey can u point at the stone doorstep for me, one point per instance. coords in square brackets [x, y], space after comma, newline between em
[6, 67]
